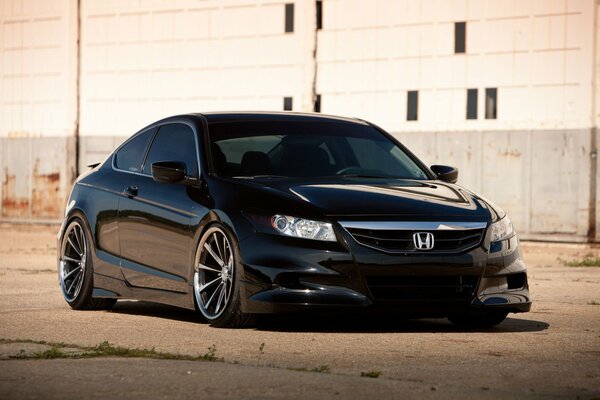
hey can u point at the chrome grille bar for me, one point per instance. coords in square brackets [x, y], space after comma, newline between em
[413, 225]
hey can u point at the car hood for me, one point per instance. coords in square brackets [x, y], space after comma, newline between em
[422, 199]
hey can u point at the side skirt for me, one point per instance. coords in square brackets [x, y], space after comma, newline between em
[108, 287]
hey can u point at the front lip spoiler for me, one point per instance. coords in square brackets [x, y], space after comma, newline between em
[312, 296]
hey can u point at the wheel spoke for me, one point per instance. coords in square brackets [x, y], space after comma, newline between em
[209, 283]
[76, 279]
[67, 276]
[212, 253]
[67, 258]
[213, 296]
[77, 250]
[216, 242]
[221, 295]
[206, 267]
[78, 239]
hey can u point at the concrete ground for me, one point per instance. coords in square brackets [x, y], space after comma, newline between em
[551, 352]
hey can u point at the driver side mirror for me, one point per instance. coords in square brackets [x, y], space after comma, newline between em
[445, 173]
[168, 171]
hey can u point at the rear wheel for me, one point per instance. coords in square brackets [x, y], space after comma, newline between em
[217, 279]
[486, 319]
[75, 269]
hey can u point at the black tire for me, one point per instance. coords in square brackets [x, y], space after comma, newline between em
[231, 316]
[478, 320]
[82, 299]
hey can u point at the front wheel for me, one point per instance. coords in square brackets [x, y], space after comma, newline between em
[479, 320]
[75, 269]
[217, 271]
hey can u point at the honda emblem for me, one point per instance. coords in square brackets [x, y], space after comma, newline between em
[423, 240]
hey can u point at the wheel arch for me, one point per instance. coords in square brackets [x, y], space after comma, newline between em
[77, 212]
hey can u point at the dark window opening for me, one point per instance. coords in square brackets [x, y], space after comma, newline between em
[287, 104]
[289, 17]
[412, 106]
[131, 155]
[173, 142]
[318, 103]
[460, 36]
[307, 149]
[319, 14]
[491, 103]
[471, 103]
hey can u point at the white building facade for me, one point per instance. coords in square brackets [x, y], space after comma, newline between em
[503, 89]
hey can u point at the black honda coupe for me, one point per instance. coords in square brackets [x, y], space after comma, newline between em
[238, 214]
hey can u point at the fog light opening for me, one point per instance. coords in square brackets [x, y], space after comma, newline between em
[516, 281]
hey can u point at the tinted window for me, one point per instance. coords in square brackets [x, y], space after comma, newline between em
[131, 155]
[307, 149]
[173, 142]
[236, 147]
[377, 155]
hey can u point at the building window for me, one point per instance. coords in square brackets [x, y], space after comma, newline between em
[289, 17]
[412, 105]
[287, 104]
[319, 14]
[491, 103]
[460, 36]
[318, 104]
[471, 103]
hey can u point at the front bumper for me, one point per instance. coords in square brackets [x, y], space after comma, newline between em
[297, 274]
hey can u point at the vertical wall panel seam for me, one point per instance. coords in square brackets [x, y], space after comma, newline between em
[593, 145]
[77, 89]
[314, 60]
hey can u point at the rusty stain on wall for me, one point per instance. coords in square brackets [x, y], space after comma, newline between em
[12, 206]
[46, 196]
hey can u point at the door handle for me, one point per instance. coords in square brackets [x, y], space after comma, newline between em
[131, 191]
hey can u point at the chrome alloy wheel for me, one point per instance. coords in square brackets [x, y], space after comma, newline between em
[213, 277]
[72, 261]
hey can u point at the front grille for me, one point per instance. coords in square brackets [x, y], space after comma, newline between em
[445, 241]
[434, 288]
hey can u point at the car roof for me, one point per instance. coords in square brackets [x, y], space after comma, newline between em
[245, 116]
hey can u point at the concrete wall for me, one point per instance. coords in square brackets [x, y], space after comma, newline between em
[540, 177]
[143, 60]
[537, 53]
[38, 106]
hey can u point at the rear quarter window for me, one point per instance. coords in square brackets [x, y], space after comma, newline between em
[131, 155]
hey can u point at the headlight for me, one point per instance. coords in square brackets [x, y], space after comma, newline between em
[303, 228]
[501, 229]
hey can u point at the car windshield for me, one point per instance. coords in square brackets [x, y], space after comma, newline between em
[267, 149]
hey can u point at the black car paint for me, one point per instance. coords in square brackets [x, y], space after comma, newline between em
[146, 233]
